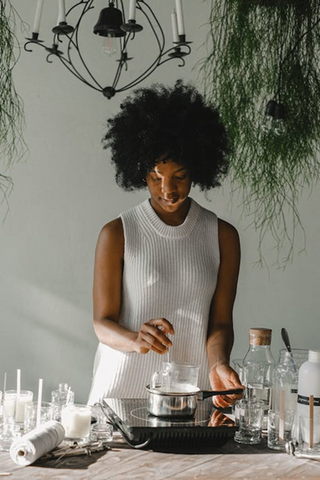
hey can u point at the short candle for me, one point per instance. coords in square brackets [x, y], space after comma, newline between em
[76, 420]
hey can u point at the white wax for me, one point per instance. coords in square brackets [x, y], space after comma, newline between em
[76, 420]
[21, 402]
[179, 388]
[9, 404]
[180, 17]
[62, 11]
[37, 18]
[174, 26]
[132, 10]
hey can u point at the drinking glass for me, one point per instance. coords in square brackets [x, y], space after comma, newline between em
[309, 435]
[31, 415]
[9, 430]
[248, 417]
[14, 404]
[280, 428]
[176, 377]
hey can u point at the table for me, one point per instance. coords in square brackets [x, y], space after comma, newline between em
[231, 461]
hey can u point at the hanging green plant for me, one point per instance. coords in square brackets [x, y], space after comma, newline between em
[12, 145]
[262, 70]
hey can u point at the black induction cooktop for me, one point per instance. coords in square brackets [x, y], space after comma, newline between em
[207, 429]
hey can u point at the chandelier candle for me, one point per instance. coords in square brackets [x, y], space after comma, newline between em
[37, 17]
[181, 28]
[62, 12]
[132, 10]
[174, 23]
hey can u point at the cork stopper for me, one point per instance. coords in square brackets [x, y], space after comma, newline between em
[260, 336]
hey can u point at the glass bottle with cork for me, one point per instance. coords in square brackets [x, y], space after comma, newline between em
[258, 368]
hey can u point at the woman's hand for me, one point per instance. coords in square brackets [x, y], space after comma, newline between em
[223, 377]
[153, 336]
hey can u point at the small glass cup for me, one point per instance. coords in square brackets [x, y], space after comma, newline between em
[9, 430]
[248, 417]
[176, 377]
[76, 420]
[280, 428]
[31, 415]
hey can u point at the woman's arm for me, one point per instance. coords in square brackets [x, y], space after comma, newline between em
[220, 331]
[107, 298]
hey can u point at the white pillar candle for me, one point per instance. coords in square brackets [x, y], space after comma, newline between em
[62, 11]
[174, 26]
[181, 29]
[25, 398]
[132, 10]
[76, 420]
[37, 17]
[9, 404]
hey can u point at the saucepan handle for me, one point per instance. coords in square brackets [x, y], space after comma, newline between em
[211, 393]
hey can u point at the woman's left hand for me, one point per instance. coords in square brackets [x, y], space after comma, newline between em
[223, 377]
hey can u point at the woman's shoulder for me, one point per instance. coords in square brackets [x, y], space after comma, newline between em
[228, 236]
[111, 234]
[227, 229]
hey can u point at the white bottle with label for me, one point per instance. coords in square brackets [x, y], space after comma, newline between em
[309, 384]
[309, 390]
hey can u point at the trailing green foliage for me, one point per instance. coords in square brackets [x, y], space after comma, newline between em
[258, 50]
[12, 145]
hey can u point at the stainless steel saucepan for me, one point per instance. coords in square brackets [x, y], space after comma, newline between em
[179, 404]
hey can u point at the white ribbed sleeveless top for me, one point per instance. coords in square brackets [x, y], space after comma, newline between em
[170, 272]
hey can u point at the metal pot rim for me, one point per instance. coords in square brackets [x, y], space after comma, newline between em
[159, 392]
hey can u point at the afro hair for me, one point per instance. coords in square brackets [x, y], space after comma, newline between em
[171, 123]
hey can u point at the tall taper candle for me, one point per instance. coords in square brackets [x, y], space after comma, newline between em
[37, 17]
[174, 26]
[62, 11]
[181, 29]
[132, 10]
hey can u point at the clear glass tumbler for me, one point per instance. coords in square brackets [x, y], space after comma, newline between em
[248, 417]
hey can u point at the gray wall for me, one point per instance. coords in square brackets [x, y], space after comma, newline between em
[65, 191]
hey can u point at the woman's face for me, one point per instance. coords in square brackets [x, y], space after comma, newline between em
[169, 185]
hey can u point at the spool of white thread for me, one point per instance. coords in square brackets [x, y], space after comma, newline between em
[28, 448]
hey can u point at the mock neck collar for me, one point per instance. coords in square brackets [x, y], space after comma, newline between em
[171, 231]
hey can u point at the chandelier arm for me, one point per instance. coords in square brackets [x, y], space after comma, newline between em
[76, 74]
[176, 53]
[121, 61]
[161, 45]
[76, 46]
[143, 76]
[75, 43]
[33, 42]
[123, 11]
[182, 61]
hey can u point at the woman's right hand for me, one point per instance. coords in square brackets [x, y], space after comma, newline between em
[153, 336]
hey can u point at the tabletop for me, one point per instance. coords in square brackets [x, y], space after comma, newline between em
[120, 462]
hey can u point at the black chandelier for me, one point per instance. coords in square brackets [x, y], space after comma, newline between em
[116, 29]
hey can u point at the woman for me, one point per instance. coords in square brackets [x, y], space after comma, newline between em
[166, 270]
